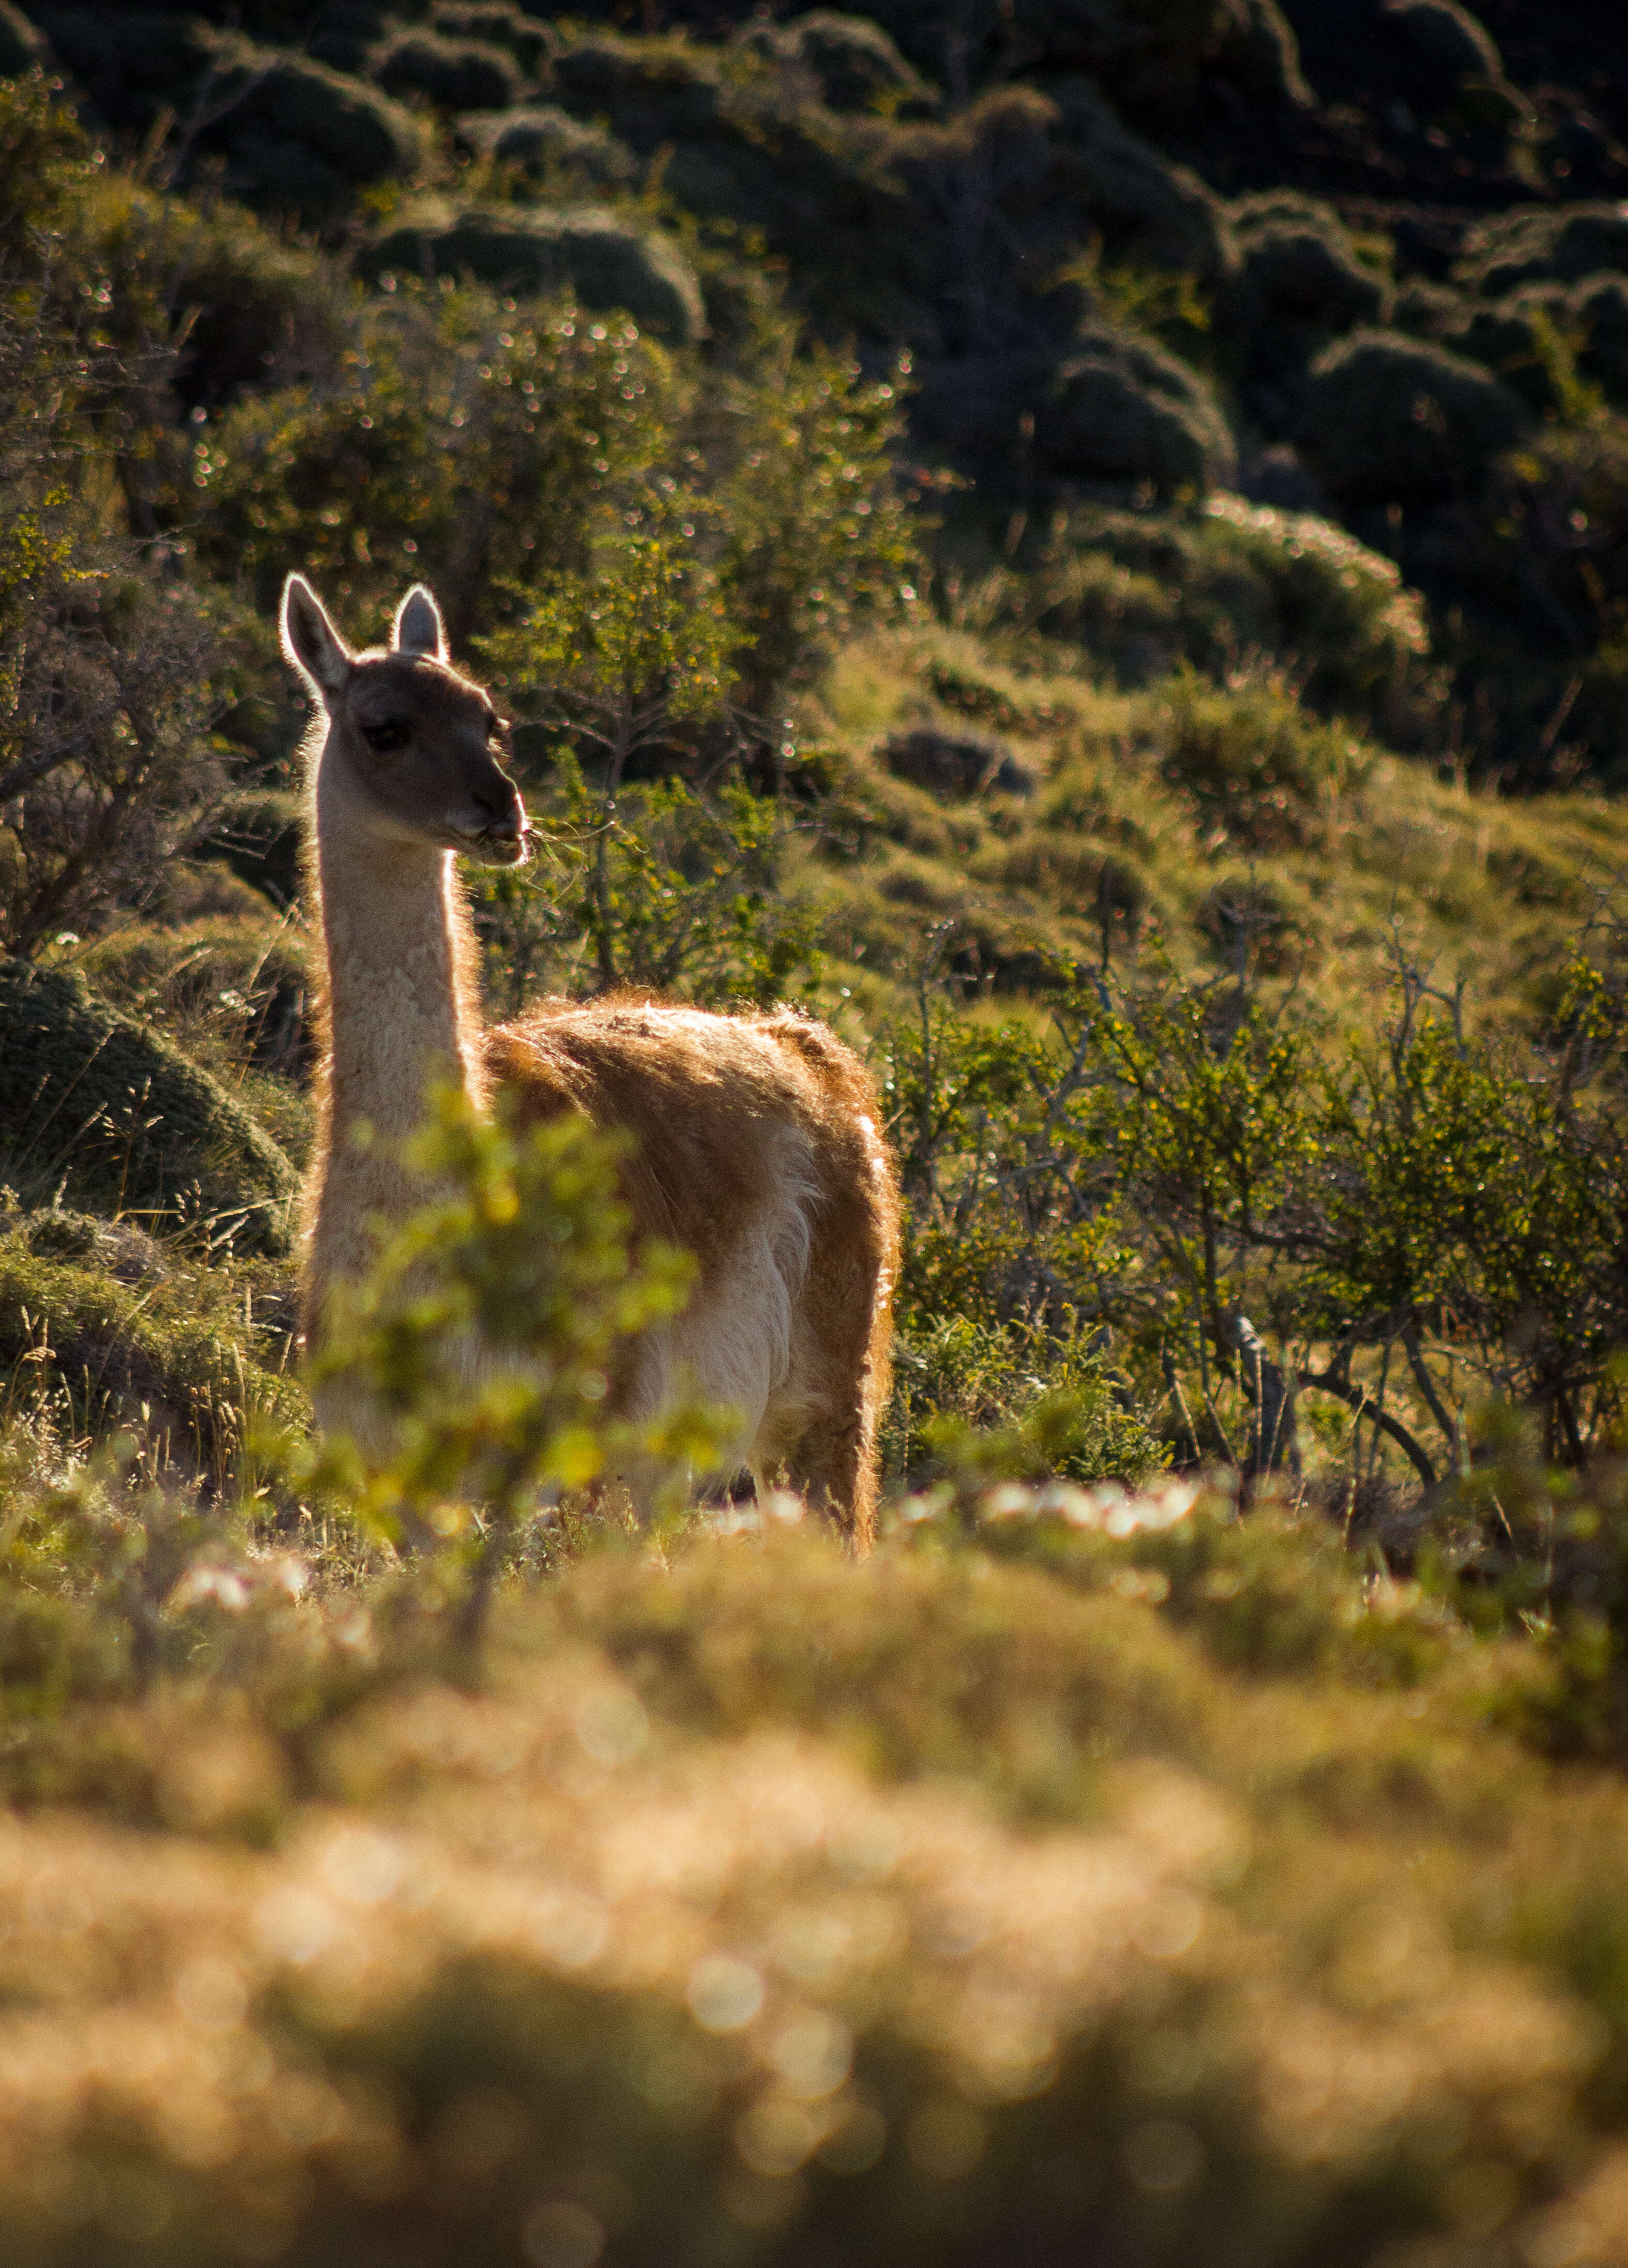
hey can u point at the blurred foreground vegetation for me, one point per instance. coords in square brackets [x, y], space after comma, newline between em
[1195, 1832]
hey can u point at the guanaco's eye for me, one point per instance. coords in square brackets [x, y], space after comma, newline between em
[382, 738]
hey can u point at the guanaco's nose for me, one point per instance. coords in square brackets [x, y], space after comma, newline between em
[498, 803]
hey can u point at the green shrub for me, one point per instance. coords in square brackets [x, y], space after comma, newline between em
[98, 1331]
[1234, 581]
[603, 261]
[523, 1250]
[1336, 613]
[1255, 764]
[249, 309]
[980, 1401]
[1122, 410]
[817, 538]
[93, 1103]
[1385, 417]
[468, 447]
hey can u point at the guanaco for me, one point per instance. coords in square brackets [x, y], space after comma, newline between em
[754, 1140]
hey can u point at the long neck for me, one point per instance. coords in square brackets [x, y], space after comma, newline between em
[397, 955]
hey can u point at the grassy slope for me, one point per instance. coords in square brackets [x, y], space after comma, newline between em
[1460, 881]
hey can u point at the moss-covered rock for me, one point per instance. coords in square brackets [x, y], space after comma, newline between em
[454, 74]
[1535, 244]
[1121, 408]
[95, 1104]
[605, 261]
[1387, 417]
[545, 139]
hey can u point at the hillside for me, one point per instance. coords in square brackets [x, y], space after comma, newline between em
[1082, 544]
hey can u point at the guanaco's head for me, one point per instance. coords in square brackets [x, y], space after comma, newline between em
[413, 744]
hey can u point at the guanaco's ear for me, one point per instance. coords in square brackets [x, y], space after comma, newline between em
[418, 627]
[310, 640]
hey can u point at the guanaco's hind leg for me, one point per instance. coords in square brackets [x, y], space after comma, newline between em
[819, 1434]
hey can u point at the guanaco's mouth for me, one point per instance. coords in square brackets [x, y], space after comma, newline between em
[497, 846]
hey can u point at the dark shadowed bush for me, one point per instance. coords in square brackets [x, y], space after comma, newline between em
[1258, 52]
[132, 65]
[22, 47]
[454, 74]
[1122, 409]
[1388, 417]
[298, 136]
[1300, 285]
[957, 764]
[247, 308]
[1537, 244]
[1145, 207]
[94, 1102]
[500, 24]
[1446, 44]
[1520, 341]
[858, 66]
[603, 260]
[544, 139]
[1599, 307]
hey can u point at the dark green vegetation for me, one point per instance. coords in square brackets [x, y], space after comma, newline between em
[1084, 543]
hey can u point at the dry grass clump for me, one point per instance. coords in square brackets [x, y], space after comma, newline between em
[764, 1906]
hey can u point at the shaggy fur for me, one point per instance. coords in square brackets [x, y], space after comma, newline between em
[755, 1145]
